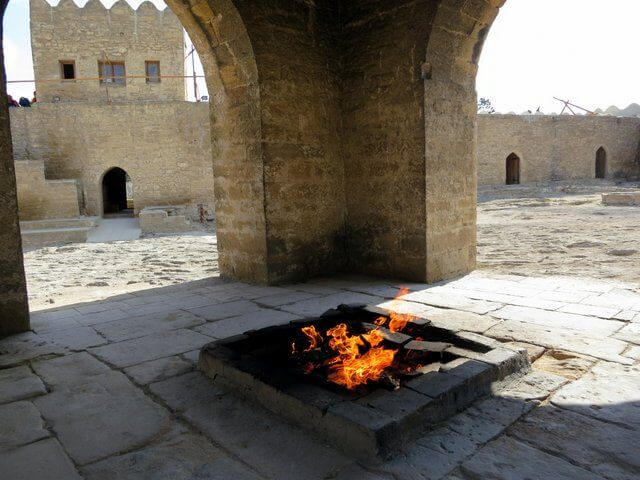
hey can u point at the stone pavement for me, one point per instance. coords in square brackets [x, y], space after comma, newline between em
[110, 390]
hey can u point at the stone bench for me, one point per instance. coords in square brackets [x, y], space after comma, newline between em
[156, 220]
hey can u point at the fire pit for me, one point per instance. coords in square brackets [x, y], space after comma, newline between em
[365, 379]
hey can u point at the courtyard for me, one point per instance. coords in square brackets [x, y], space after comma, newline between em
[106, 385]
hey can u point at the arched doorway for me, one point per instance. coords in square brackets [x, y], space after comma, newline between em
[513, 169]
[601, 163]
[117, 193]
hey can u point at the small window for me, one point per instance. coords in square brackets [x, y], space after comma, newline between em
[152, 71]
[112, 73]
[67, 69]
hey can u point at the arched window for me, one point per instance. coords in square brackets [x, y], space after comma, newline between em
[601, 163]
[513, 169]
[117, 192]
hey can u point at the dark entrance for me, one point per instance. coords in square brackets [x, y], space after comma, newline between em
[114, 192]
[513, 169]
[601, 163]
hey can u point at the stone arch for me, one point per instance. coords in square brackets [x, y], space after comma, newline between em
[113, 187]
[222, 42]
[512, 169]
[601, 163]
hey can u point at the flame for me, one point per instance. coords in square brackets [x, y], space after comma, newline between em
[398, 320]
[350, 368]
[314, 337]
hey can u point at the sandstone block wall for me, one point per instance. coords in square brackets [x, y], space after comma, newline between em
[556, 147]
[165, 148]
[41, 199]
[93, 33]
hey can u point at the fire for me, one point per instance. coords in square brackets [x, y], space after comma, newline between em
[398, 320]
[350, 368]
[314, 338]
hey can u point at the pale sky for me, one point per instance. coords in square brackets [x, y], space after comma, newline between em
[581, 50]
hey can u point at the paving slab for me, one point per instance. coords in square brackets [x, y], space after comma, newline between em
[75, 339]
[152, 347]
[44, 326]
[70, 369]
[19, 383]
[497, 296]
[601, 447]
[452, 301]
[112, 315]
[102, 416]
[589, 326]
[630, 333]
[626, 315]
[633, 352]
[201, 391]
[421, 463]
[255, 320]
[533, 386]
[273, 448]
[43, 460]
[141, 326]
[563, 339]
[156, 370]
[225, 310]
[609, 393]
[187, 456]
[591, 310]
[26, 346]
[534, 351]
[21, 424]
[314, 307]
[509, 459]
[284, 298]
[501, 409]
[565, 364]
[457, 320]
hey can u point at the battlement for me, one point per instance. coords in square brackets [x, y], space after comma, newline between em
[75, 48]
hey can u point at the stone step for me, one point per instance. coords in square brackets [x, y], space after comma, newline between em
[51, 224]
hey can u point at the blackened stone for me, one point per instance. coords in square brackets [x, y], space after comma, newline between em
[435, 347]
[434, 384]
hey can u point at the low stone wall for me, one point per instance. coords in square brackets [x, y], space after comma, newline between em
[154, 220]
[165, 147]
[621, 199]
[556, 147]
[41, 199]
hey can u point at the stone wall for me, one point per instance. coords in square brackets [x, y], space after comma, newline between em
[93, 33]
[164, 147]
[556, 147]
[40, 199]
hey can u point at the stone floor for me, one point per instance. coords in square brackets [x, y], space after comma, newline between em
[109, 389]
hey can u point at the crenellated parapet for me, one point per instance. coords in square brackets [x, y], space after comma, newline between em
[70, 42]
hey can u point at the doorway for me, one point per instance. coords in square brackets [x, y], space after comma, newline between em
[513, 169]
[117, 193]
[601, 163]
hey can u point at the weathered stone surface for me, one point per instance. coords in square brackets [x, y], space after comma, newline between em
[501, 409]
[452, 301]
[533, 351]
[186, 456]
[457, 320]
[610, 392]
[21, 424]
[44, 460]
[152, 347]
[590, 310]
[564, 364]
[571, 340]
[157, 370]
[591, 326]
[283, 298]
[19, 383]
[533, 386]
[633, 352]
[509, 459]
[248, 431]
[201, 390]
[78, 338]
[70, 369]
[601, 447]
[314, 307]
[225, 310]
[630, 333]
[251, 321]
[94, 419]
[136, 327]
[15, 350]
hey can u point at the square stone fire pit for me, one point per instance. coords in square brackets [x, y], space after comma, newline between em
[436, 373]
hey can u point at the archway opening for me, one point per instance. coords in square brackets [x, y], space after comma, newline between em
[117, 193]
[513, 169]
[601, 163]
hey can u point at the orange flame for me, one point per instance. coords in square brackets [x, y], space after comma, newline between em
[314, 337]
[350, 368]
[399, 320]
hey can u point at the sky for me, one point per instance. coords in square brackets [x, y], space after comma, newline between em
[579, 50]
[17, 48]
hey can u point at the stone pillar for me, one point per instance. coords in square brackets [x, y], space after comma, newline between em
[14, 309]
